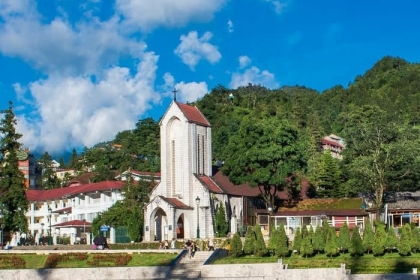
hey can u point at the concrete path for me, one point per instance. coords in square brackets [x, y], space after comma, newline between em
[189, 268]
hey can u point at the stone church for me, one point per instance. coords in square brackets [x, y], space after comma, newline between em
[184, 203]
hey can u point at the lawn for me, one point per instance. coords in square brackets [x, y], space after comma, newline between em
[34, 261]
[389, 263]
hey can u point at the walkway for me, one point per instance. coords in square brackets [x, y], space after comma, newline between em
[188, 268]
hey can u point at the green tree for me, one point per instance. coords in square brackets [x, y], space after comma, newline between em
[415, 239]
[260, 249]
[13, 199]
[391, 240]
[380, 152]
[368, 237]
[329, 175]
[331, 247]
[378, 248]
[48, 179]
[264, 153]
[297, 240]
[404, 246]
[250, 240]
[356, 248]
[318, 240]
[74, 160]
[236, 246]
[274, 239]
[306, 248]
[221, 222]
[281, 248]
[343, 240]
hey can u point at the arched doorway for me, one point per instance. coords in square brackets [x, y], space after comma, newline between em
[160, 225]
[180, 227]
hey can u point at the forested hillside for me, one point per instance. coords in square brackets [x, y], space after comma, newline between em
[377, 115]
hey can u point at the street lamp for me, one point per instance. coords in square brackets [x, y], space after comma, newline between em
[197, 201]
[84, 229]
[270, 211]
[49, 219]
[1, 229]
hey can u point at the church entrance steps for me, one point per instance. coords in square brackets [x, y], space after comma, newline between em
[189, 268]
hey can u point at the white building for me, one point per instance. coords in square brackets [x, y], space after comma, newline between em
[70, 211]
[184, 203]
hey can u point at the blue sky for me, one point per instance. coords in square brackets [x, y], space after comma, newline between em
[80, 71]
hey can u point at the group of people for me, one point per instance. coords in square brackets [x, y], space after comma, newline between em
[165, 244]
[191, 246]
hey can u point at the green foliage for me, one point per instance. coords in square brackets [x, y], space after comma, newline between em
[331, 247]
[260, 249]
[221, 222]
[368, 237]
[356, 248]
[236, 246]
[318, 240]
[281, 248]
[264, 153]
[48, 179]
[329, 177]
[343, 240]
[378, 248]
[415, 239]
[250, 240]
[13, 199]
[404, 246]
[306, 248]
[297, 240]
[391, 240]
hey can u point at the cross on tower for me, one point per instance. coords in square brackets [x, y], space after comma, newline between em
[175, 91]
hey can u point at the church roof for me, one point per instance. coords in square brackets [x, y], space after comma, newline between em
[74, 223]
[209, 183]
[176, 203]
[45, 195]
[193, 114]
[222, 182]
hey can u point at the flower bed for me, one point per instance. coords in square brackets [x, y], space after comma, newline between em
[99, 260]
[11, 262]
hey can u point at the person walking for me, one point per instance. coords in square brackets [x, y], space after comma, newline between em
[211, 245]
[188, 244]
[173, 243]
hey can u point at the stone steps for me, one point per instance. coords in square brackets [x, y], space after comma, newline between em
[189, 268]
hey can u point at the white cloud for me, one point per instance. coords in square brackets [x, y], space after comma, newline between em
[279, 6]
[74, 111]
[146, 15]
[251, 75]
[230, 26]
[59, 46]
[192, 49]
[244, 61]
[190, 92]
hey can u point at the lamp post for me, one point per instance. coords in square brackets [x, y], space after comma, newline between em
[197, 201]
[84, 229]
[270, 211]
[1, 229]
[49, 220]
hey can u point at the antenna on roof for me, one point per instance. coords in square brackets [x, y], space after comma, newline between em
[175, 91]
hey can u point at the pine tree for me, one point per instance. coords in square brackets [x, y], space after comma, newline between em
[297, 240]
[274, 240]
[343, 240]
[378, 248]
[74, 160]
[404, 246]
[311, 232]
[331, 248]
[356, 248]
[391, 240]
[236, 246]
[304, 232]
[306, 248]
[48, 179]
[12, 184]
[282, 247]
[250, 240]
[368, 237]
[221, 222]
[260, 249]
[318, 241]
[415, 239]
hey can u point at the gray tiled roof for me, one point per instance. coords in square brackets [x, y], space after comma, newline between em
[404, 200]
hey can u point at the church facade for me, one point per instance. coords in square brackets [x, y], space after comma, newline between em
[183, 205]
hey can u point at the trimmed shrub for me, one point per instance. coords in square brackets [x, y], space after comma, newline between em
[331, 248]
[343, 240]
[356, 248]
[297, 240]
[236, 246]
[368, 237]
[391, 240]
[318, 240]
[250, 239]
[404, 246]
[260, 249]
